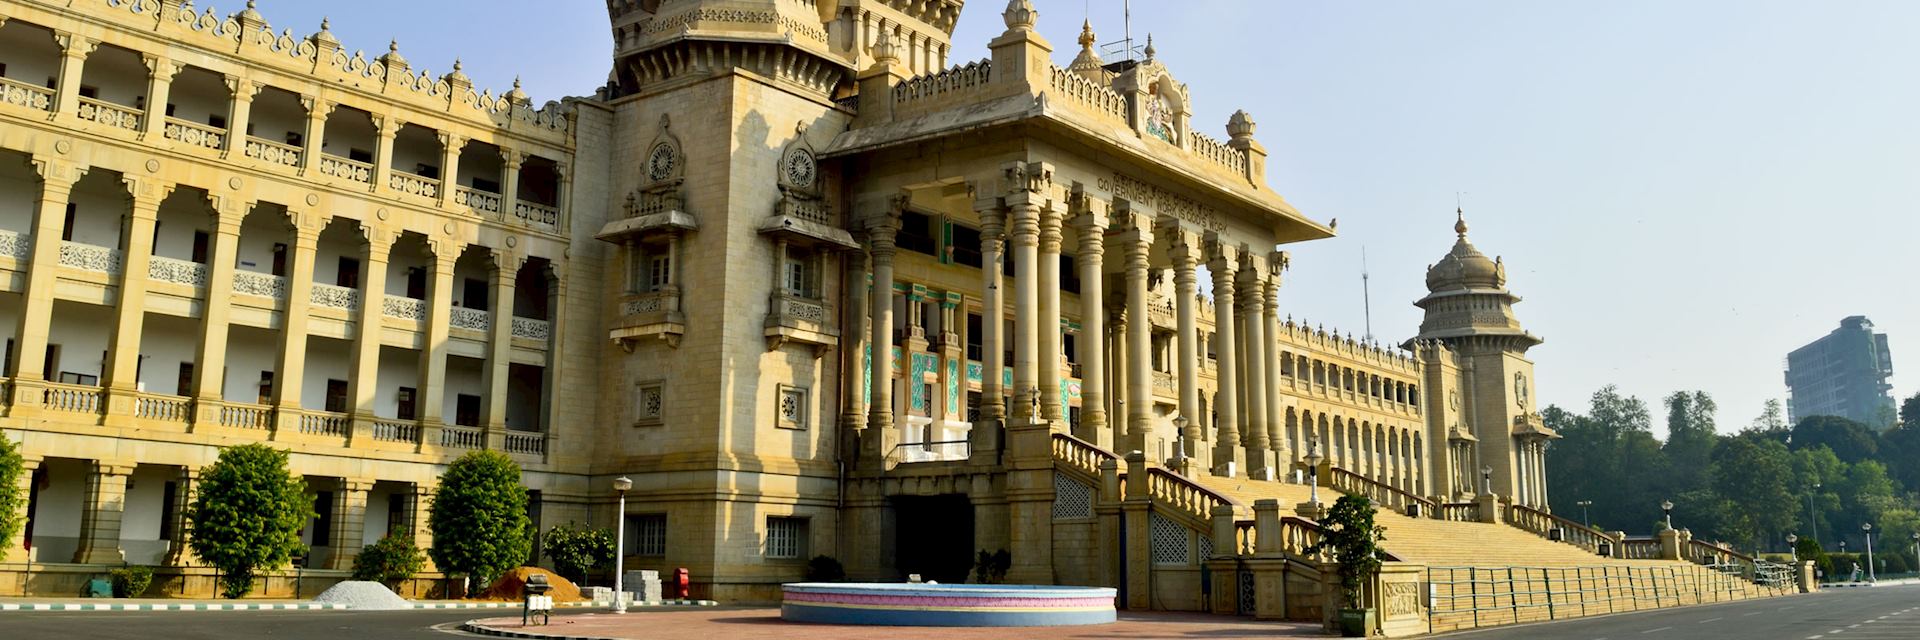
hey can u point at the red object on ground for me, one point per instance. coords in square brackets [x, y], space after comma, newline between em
[681, 583]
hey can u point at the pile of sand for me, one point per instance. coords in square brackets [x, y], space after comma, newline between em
[361, 595]
[511, 586]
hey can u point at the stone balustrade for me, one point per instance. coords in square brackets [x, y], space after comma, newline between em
[16, 245]
[462, 438]
[470, 319]
[259, 284]
[272, 152]
[411, 184]
[195, 134]
[530, 443]
[87, 257]
[338, 167]
[72, 398]
[21, 94]
[386, 430]
[177, 271]
[404, 308]
[485, 202]
[110, 114]
[325, 423]
[244, 416]
[537, 216]
[164, 408]
[335, 297]
[531, 329]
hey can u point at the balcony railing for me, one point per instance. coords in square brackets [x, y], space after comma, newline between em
[153, 406]
[259, 284]
[530, 329]
[462, 437]
[88, 257]
[244, 416]
[471, 319]
[273, 152]
[14, 244]
[482, 201]
[335, 297]
[109, 114]
[538, 216]
[72, 398]
[650, 302]
[325, 423]
[196, 134]
[177, 271]
[528, 443]
[404, 308]
[21, 94]
[396, 431]
[404, 182]
[339, 167]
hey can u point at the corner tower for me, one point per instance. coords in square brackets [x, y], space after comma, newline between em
[1479, 378]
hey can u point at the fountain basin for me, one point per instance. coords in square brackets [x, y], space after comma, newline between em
[945, 605]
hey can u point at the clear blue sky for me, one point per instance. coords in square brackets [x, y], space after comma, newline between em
[1682, 191]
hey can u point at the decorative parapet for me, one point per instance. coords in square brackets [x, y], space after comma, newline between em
[14, 244]
[259, 284]
[88, 257]
[321, 57]
[334, 297]
[272, 152]
[941, 89]
[470, 319]
[174, 270]
[1102, 101]
[195, 134]
[800, 320]
[404, 308]
[21, 94]
[531, 329]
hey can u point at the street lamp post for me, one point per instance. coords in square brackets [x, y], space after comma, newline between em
[620, 486]
[1811, 521]
[1486, 481]
[1916, 545]
[1867, 528]
[1793, 547]
[1583, 513]
[1666, 506]
[1313, 459]
[1180, 442]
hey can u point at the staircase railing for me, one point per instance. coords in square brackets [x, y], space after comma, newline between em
[1459, 512]
[1640, 548]
[1720, 558]
[1543, 524]
[1080, 455]
[1185, 497]
[1352, 483]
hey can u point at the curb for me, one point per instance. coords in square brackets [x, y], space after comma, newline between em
[605, 605]
[197, 606]
[471, 627]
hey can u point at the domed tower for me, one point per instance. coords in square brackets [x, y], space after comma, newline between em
[1479, 380]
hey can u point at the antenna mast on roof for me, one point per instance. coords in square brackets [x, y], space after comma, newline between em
[1366, 294]
[1123, 49]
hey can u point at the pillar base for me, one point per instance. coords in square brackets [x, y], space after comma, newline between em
[1489, 508]
[1311, 510]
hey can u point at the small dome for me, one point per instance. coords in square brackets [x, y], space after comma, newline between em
[1465, 267]
[517, 96]
[325, 36]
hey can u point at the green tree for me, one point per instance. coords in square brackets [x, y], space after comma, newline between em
[1355, 542]
[247, 515]
[12, 497]
[1752, 478]
[1772, 421]
[1850, 440]
[576, 551]
[1910, 411]
[479, 517]
[390, 561]
[1690, 440]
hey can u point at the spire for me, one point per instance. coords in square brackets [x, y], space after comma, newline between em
[1086, 35]
[1149, 49]
[1020, 15]
[1460, 222]
[1088, 64]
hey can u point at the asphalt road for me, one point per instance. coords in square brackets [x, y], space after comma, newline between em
[440, 624]
[1881, 613]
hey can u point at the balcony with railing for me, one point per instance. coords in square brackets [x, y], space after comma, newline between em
[346, 169]
[328, 296]
[387, 430]
[411, 184]
[194, 134]
[649, 314]
[470, 319]
[274, 153]
[537, 216]
[456, 437]
[21, 94]
[484, 203]
[87, 257]
[254, 283]
[72, 398]
[525, 443]
[177, 271]
[162, 408]
[112, 115]
[326, 424]
[15, 245]
[404, 308]
[531, 329]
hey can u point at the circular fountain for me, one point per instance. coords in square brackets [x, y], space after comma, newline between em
[945, 605]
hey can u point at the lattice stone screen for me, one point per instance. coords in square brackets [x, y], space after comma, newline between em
[1170, 540]
[1071, 498]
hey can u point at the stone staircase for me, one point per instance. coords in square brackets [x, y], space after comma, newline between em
[1485, 574]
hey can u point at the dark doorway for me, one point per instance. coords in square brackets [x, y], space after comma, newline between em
[933, 537]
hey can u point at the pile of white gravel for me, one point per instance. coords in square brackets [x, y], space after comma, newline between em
[363, 595]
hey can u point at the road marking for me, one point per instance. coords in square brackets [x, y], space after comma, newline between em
[1707, 620]
[1755, 613]
[1654, 630]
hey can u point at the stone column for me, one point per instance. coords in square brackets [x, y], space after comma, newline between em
[178, 552]
[1138, 242]
[1023, 205]
[433, 354]
[293, 331]
[450, 146]
[210, 365]
[106, 500]
[511, 159]
[73, 58]
[349, 522]
[1540, 477]
[239, 112]
[364, 383]
[506, 266]
[560, 320]
[1184, 249]
[876, 442]
[1228, 457]
[1259, 460]
[853, 334]
[1117, 371]
[22, 511]
[160, 73]
[317, 112]
[36, 321]
[1092, 226]
[385, 127]
[986, 435]
[130, 309]
[1270, 360]
[1049, 328]
[418, 512]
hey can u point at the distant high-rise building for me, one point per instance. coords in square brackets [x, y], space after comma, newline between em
[1843, 374]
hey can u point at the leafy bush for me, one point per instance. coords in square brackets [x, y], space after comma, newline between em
[390, 561]
[1355, 542]
[1809, 549]
[991, 568]
[479, 517]
[825, 569]
[247, 515]
[13, 497]
[131, 581]
[576, 551]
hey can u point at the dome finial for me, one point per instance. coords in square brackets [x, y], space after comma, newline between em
[1086, 34]
[1460, 222]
